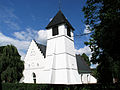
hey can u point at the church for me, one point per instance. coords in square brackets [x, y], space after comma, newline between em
[56, 63]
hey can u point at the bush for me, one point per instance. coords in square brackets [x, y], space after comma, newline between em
[24, 86]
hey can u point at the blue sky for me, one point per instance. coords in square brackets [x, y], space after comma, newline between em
[24, 20]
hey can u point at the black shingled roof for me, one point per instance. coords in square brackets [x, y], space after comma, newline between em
[59, 19]
[42, 48]
[82, 65]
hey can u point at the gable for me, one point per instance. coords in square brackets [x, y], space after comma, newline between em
[34, 57]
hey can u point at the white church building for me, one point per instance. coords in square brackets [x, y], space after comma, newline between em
[57, 62]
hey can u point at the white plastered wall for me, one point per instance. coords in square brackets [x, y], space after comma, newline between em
[34, 63]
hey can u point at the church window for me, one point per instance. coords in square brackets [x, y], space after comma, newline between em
[29, 65]
[34, 77]
[68, 32]
[55, 30]
[37, 64]
[81, 78]
[87, 78]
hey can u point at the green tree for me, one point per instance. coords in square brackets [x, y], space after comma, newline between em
[103, 16]
[11, 66]
[86, 58]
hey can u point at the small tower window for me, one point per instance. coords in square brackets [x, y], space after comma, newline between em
[68, 32]
[55, 30]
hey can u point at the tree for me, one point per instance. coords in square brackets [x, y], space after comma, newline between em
[103, 16]
[86, 58]
[11, 67]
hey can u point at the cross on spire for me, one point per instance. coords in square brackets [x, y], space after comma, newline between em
[59, 4]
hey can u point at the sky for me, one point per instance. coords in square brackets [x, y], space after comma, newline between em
[24, 20]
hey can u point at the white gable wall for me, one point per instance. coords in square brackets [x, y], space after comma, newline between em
[34, 57]
[34, 62]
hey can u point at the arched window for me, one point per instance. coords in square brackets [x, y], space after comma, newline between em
[87, 78]
[81, 78]
[34, 77]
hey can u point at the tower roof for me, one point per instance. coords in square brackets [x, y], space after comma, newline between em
[58, 19]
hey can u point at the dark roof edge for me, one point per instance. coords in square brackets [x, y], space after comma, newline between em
[85, 71]
[59, 24]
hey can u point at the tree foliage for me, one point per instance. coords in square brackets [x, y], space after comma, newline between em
[103, 16]
[11, 66]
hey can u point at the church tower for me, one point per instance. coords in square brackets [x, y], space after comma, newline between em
[61, 66]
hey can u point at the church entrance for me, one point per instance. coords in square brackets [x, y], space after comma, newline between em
[34, 77]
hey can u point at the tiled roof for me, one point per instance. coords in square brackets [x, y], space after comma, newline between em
[82, 65]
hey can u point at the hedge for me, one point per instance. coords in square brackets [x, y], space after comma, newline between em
[23, 86]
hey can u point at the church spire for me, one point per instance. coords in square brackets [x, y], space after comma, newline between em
[58, 19]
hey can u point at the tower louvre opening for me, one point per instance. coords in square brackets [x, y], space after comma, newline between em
[55, 31]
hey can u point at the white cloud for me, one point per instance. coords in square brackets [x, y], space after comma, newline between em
[50, 19]
[22, 53]
[22, 46]
[42, 36]
[38, 35]
[87, 29]
[88, 52]
[8, 17]
[28, 35]
[19, 35]
[7, 13]
[12, 25]
[85, 50]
